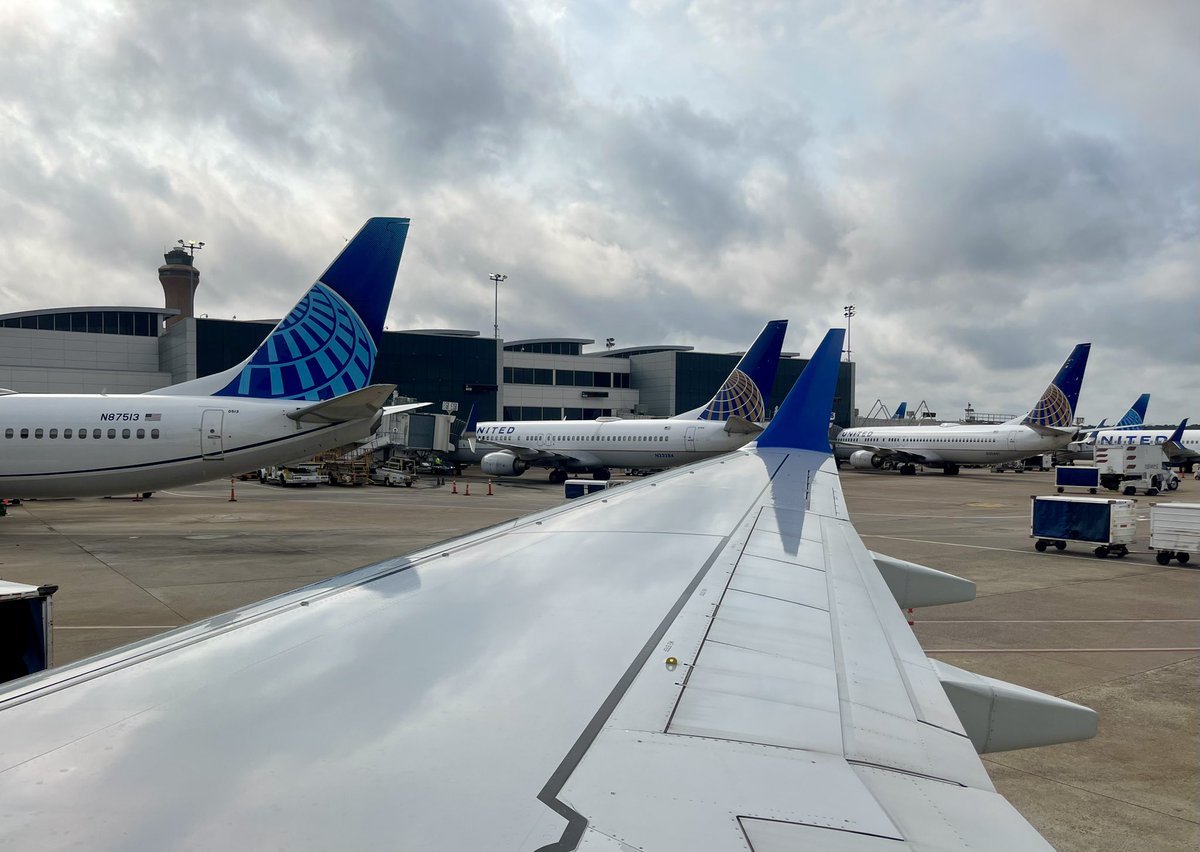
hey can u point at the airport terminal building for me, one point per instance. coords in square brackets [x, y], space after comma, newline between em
[128, 349]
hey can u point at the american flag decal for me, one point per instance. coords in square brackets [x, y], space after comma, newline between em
[154, 417]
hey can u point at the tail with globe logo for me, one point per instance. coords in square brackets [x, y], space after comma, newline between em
[1056, 407]
[744, 394]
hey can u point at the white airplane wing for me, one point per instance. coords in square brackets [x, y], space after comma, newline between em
[709, 659]
[889, 452]
[535, 455]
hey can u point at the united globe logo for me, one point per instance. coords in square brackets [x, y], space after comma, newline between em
[320, 350]
[738, 397]
[1053, 409]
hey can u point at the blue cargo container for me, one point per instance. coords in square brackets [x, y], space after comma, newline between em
[26, 635]
[1108, 523]
[1067, 476]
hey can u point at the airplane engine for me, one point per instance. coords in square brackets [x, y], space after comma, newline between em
[502, 464]
[863, 459]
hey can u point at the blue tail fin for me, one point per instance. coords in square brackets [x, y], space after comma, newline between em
[1136, 415]
[746, 391]
[326, 345]
[1056, 408]
[901, 410]
[802, 422]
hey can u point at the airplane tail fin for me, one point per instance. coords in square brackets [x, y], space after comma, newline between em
[802, 422]
[1056, 407]
[901, 410]
[1136, 415]
[746, 391]
[326, 345]
[1174, 443]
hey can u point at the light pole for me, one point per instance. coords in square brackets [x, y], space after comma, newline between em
[847, 312]
[497, 277]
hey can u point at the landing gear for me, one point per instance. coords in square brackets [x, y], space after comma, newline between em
[908, 470]
[950, 469]
[558, 476]
[601, 473]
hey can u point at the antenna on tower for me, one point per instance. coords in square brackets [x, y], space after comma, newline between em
[191, 246]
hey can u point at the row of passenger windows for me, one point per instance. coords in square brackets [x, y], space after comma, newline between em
[569, 378]
[79, 433]
[638, 439]
[534, 412]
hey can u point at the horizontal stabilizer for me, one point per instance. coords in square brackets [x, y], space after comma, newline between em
[1001, 716]
[356, 405]
[408, 406]
[736, 425]
[914, 585]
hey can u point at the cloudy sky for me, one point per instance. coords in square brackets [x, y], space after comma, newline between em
[988, 182]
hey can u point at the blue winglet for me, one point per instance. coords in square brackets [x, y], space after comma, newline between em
[803, 420]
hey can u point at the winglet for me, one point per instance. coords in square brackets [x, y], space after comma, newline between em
[803, 419]
[1174, 443]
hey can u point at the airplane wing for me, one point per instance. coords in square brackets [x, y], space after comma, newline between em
[708, 659]
[535, 456]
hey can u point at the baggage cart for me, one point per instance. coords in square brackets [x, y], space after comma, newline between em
[26, 635]
[1084, 476]
[1174, 531]
[1108, 523]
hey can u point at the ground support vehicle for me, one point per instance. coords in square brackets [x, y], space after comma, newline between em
[1016, 466]
[1109, 523]
[1174, 531]
[1130, 468]
[1084, 476]
[28, 637]
[394, 473]
[293, 474]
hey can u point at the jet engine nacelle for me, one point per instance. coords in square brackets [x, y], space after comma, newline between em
[502, 464]
[863, 459]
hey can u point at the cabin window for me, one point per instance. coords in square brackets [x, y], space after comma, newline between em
[37, 433]
[141, 433]
[24, 433]
[124, 433]
[153, 433]
[112, 433]
[8, 433]
[96, 433]
[67, 433]
[83, 433]
[53, 433]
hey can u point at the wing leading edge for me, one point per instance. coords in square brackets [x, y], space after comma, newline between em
[704, 660]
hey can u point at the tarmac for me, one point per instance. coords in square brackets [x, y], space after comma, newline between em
[1119, 635]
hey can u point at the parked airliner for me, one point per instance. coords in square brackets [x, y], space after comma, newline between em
[1181, 445]
[726, 422]
[1046, 427]
[1083, 447]
[303, 390]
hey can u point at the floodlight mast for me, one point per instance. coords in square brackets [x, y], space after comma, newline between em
[496, 278]
[191, 246]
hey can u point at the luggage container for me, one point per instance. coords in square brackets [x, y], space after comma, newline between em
[1069, 476]
[26, 636]
[1174, 531]
[1110, 524]
[573, 488]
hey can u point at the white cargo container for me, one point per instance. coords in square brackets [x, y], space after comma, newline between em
[1175, 531]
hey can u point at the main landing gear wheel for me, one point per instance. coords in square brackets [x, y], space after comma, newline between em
[950, 469]
[908, 470]
[601, 474]
[558, 477]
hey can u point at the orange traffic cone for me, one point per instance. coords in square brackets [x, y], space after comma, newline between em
[232, 496]
[454, 486]
[467, 490]
[489, 488]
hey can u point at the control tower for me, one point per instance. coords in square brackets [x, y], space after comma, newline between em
[179, 278]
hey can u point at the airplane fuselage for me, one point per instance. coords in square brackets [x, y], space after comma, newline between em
[953, 443]
[80, 445]
[1147, 437]
[645, 444]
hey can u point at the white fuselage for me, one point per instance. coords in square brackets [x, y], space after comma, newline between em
[81, 445]
[954, 443]
[1144, 437]
[646, 444]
